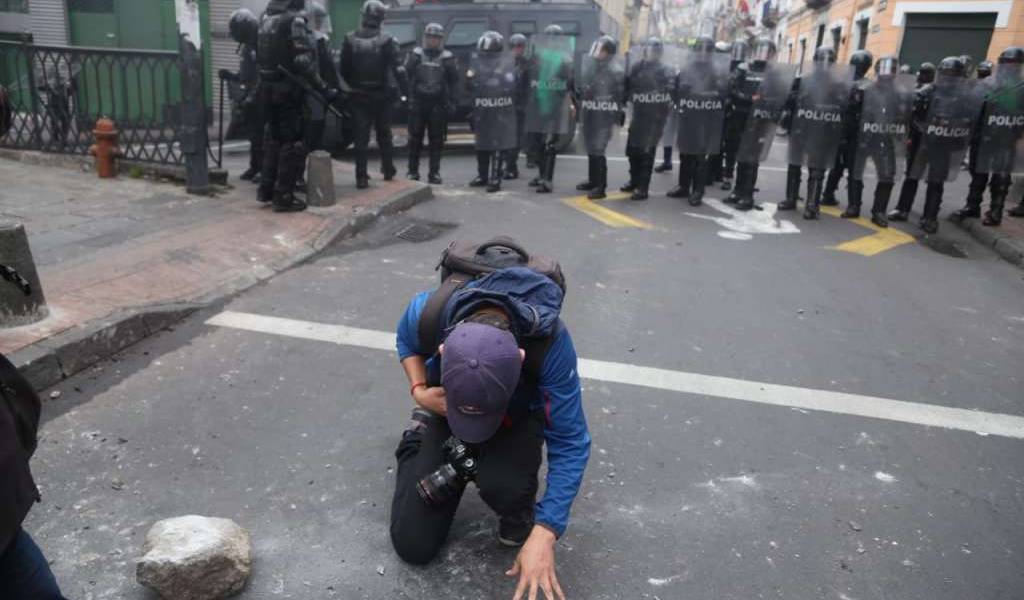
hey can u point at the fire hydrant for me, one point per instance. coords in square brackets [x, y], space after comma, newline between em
[105, 149]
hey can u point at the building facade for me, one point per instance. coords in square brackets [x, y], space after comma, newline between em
[914, 31]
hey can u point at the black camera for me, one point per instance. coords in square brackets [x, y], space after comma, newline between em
[450, 479]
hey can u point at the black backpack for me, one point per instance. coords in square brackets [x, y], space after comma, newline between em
[462, 262]
[19, 411]
[21, 401]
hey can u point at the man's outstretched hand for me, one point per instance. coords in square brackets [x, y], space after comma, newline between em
[535, 567]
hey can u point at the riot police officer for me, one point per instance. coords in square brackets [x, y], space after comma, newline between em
[315, 109]
[944, 117]
[368, 56]
[758, 92]
[600, 96]
[288, 71]
[715, 160]
[517, 44]
[817, 109]
[883, 120]
[735, 116]
[994, 143]
[700, 92]
[860, 62]
[244, 28]
[491, 80]
[649, 90]
[432, 79]
[925, 74]
[549, 102]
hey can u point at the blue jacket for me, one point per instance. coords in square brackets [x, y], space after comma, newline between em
[533, 303]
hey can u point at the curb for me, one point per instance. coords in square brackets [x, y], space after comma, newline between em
[49, 361]
[1010, 248]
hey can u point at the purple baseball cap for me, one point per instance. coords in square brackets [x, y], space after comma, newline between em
[480, 369]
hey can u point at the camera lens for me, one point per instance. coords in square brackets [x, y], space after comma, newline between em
[441, 486]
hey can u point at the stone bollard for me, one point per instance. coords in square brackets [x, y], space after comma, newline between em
[16, 308]
[320, 179]
[195, 558]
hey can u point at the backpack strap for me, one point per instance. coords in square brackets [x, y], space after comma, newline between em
[429, 326]
[536, 351]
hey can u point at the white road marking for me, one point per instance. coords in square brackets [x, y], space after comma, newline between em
[843, 403]
[741, 225]
[675, 162]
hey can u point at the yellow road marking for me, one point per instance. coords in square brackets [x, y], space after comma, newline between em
[607, 216]
[884, 238]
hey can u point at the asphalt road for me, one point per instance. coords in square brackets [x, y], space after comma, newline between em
[694, 494]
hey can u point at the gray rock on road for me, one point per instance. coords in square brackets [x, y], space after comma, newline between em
[195, 558]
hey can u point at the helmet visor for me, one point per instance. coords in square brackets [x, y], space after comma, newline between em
[433, 41]
[887, 67]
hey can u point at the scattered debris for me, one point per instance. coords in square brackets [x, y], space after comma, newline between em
[117, 484]
[380, 570]
[884, 477]
[855, 526]
[55, 394]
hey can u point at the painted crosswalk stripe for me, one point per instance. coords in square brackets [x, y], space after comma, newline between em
[872, 407]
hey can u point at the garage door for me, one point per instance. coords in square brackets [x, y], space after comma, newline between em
[932, 37]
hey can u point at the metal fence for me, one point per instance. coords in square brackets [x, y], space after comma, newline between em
[59, 92]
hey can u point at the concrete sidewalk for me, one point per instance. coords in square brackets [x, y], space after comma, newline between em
[1007, 240]
[121, 259]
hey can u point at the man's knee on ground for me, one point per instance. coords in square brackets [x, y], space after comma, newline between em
[412, 546]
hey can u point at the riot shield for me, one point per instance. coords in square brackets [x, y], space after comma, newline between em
[818, 115]
[491, 81]
[649, 87]
[1002, 123]
[702, 88]
[550, 75]
[769, 91]
[674, 58]
[884, 127]
[946, 132]
[601, 93]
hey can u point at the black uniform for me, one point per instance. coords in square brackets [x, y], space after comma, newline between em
[316, 111]
[433, 77]
[512, 156]
[251, 107]
[847, 147]
[649, 89]
[285, 46]
[368, 57]
[700, 93]
[737, 109]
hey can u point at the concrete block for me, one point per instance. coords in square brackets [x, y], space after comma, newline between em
[320, 180]
[16, 307]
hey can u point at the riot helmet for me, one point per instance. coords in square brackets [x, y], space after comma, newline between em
[764, 51]
[952, 66]
[654, 49]
[1010, 65]
[517, 42]
[740, 50]
[905, 69]
[1013, 54]
[704, 46]
[969, 66]
[554, 30]
[604, 48]
[320, 20]
[373, 14]
[861, 62]
[925, 73]
[723, 47]
[887, 66]
[490, 42]
[433, 36]
[984, 69]
[243, 26]
[824, 56]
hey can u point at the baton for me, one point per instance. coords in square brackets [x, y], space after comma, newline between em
[302, 83]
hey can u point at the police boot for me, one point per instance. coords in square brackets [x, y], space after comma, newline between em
[271, 158]
[906, 201]
[666, 161]
[699, 174]
[483, 163]
[883, 189]
[293, 160]
[811, 206]
[932, 202]
[682, 189]
[250, 173]
[1017, 211]
[414, 163]
[600, 178]
[587, 184]
[630, 186]
[828, 195]
[494, 184]
[434, 175]
[512, 165]
[854, 192]
[994, 215]
[547, 172]
[793, 175]
[971, 209]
